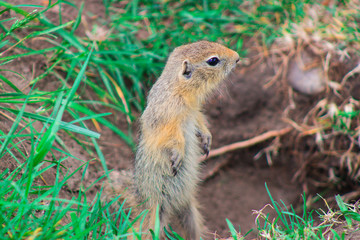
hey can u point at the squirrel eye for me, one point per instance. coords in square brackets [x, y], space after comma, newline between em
[213, 61]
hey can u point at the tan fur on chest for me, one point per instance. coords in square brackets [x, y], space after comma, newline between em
[167, 135]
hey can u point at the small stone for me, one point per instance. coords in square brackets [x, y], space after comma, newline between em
[309, 82]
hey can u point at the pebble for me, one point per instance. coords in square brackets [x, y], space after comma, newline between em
[308, 82]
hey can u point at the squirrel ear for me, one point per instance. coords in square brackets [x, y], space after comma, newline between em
[186, 69]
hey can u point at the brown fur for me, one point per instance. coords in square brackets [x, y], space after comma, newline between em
[173, 135]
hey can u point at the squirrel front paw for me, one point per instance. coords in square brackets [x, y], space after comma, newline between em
[176, 161]
[205, 142]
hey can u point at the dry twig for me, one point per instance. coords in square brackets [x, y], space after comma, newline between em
[247, 143]
[216, 168]
[356, 70]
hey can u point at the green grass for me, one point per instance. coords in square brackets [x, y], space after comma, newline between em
[289, 225]
[115, 63]
[32, 211]
[41, 214]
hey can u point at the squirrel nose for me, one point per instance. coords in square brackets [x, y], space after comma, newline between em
[237, 60]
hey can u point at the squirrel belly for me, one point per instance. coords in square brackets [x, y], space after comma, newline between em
[162, 187]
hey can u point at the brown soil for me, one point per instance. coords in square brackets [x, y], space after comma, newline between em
[244, 108]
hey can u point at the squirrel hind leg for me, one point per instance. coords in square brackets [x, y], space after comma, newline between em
[150, 219]
[191, 221]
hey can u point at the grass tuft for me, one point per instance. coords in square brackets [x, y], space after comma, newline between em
[288, 224]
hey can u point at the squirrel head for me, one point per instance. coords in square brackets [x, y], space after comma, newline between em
[200, 66]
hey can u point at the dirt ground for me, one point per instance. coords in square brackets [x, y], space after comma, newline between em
[242, 109]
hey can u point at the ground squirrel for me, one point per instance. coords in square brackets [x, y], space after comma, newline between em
[173, 135]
